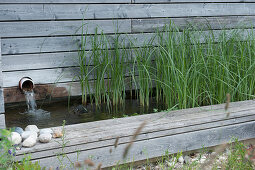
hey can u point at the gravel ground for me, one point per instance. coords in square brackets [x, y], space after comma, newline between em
[191, 161]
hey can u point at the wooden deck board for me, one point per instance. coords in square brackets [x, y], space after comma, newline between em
[177, 130]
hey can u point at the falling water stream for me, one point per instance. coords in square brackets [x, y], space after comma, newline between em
[30, 100]
[32, 111]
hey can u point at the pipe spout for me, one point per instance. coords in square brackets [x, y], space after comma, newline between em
[26, 84]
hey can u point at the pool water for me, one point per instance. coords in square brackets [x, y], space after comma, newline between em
[51, 115]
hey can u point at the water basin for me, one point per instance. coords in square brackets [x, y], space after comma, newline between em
[51, 115]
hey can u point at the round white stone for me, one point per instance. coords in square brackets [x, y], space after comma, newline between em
[180, 159]
[32, 128]
[46, 131]
[15, 138]
[27, 134]
[45, 137]
[29, 142]
[187, 159]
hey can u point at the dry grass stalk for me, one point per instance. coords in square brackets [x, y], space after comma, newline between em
[218, 150]
[137, 132]
[77, 165]
[51, 168]
[99, 166]
[227, 103]
[116, 142]
[110, 150]
[127, 149]
[89, 162]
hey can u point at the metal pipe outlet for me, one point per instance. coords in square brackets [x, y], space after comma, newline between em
[26, 84]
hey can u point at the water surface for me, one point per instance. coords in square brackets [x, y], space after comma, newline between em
[50, 115]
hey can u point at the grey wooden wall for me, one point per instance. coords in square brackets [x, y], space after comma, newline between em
[1, 86]
[39, 37]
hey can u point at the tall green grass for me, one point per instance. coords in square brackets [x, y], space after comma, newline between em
[196, 68]
[187, 68]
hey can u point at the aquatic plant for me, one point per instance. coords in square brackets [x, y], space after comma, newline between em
[188, 68]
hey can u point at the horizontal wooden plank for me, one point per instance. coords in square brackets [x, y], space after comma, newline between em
[61, 44]
[200, 23]
[52, 28]
[37, 154]
[66, 44]
[40, 61]
[41, 76]
[63, 1]
[110, 11]
[52, 60]
[147, 136]
[141, 150]
[115, 1]
[50, 76]
[190, 1]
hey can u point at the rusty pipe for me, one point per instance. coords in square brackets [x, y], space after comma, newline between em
[26, 84]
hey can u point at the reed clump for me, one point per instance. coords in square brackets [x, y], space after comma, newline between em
[188, 68]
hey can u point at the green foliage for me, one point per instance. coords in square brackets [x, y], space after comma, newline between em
[188, 67]
[7, 151]
[27, 164]
[236, 158]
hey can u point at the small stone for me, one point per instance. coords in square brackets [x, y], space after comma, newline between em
[222, 158]
[170, 164]
[228, 151]
[18, 130]
[157, 168]
[180, 159]
[29, 142]
[178, 165]
[57, 133]
[213, 153]
[27, 134]
[187, 159]
[15, 138]
[202, 159]
[32, 128]
[17, 148]
[45, 138]
[46, 131]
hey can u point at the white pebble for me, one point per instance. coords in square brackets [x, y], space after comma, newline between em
[27, 134]
[46, 131]
[45, 138]
[187, 159]
[29, 142]
[32, 128]
[15, 138]
[203, 159]
[180, 159]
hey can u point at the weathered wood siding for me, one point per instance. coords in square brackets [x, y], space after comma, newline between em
[40, 38]
[1, 88]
